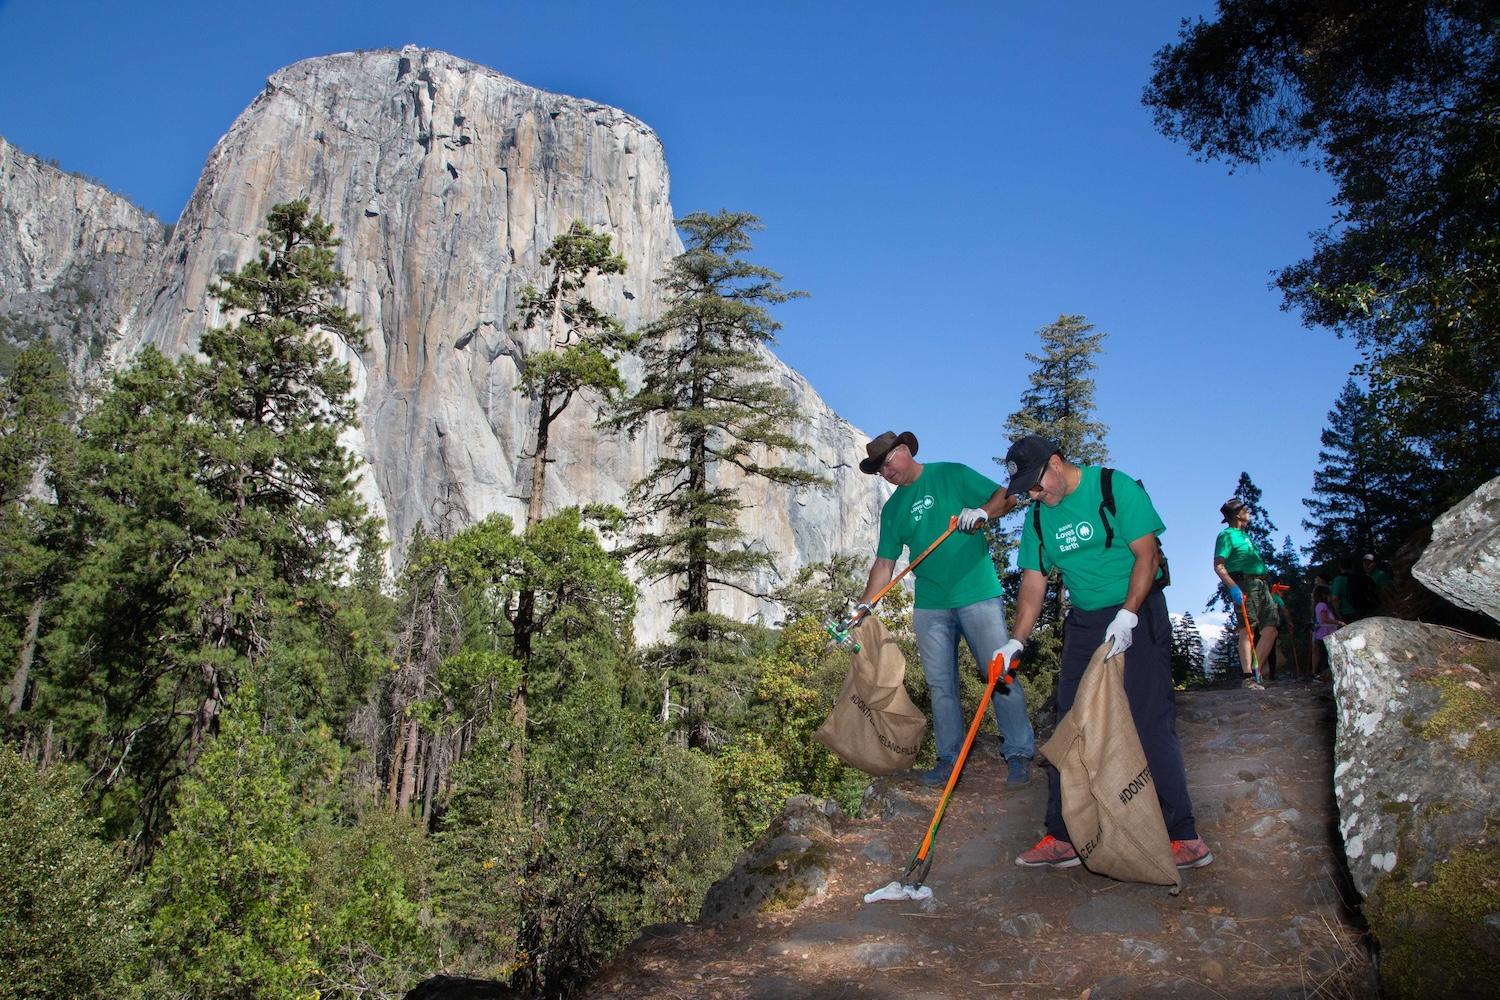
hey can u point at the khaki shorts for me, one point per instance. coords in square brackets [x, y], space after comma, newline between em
[1258, 602]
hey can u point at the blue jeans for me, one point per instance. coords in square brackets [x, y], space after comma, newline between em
[982, 626]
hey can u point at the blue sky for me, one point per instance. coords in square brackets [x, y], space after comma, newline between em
[943, 179]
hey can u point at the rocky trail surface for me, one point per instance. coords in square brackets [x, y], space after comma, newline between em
[1268, 918]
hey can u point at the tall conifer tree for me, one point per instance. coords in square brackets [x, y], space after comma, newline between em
[705, 374]
[1370, 490]
[1057, 404]
[216, 516]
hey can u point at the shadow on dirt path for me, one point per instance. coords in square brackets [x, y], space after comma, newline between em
[1267, 919]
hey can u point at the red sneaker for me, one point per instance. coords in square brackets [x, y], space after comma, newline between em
[1049, 852]
[1191, 853]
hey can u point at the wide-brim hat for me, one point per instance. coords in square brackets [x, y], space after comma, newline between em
[876, 450]
[1026, 460]
[1231, 507]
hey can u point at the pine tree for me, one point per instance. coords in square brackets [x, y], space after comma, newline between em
[705, 364]
[582, 341]
[216, 520]
[1370, 490]
[34, 398]
[1059, 405]
[1187, 651]
[1224, 657]
[231, 916]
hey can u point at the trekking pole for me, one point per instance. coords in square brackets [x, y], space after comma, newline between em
[840, 631]
[1250, 631]
[921, 858]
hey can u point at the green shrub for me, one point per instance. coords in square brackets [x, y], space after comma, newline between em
[69, 910]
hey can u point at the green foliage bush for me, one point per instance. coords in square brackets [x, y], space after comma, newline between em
[606, 829]
[69, 909]
[231, 915]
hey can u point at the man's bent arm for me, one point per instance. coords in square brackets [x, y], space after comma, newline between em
[1143, 572]
[1029, 603]
[999, 504]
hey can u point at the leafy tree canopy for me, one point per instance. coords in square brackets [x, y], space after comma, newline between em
[1399, 102]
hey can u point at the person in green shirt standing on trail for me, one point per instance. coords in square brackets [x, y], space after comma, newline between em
[958, 591]
[1099, 529]
[1238, 563]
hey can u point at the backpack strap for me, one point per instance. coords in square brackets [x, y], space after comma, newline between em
[1036, 522]
[1107, 487]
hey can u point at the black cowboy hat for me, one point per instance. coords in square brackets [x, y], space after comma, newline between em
[877, 450]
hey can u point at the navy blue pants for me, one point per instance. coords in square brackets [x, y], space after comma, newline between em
[1153, 705]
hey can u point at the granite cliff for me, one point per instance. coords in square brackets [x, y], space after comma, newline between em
[446, 182]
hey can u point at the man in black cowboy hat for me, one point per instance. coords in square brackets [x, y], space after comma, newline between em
[958, 593]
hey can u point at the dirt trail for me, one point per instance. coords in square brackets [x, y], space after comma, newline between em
[1266, 919]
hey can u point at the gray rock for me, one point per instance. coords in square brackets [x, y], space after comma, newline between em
[1267, 795]
[1145, 951]
[1408, 790]
[1462, 561]
[1114, 915]
[1023, 925]
[786, 867]
[881, 956]
[74, 258]
[446, 182]
[1263, 826]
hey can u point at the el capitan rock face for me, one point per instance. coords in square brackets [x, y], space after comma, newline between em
[446, 182]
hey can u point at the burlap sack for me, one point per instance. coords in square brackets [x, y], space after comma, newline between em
[874, 726]
[1108, 798]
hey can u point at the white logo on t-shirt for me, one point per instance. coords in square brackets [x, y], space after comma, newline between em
[921, 507]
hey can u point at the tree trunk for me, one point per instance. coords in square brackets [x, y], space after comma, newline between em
[15, 692]
[409, 767]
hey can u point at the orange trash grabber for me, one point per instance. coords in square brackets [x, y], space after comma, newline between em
[1250, 631]
[921, 859]
[840, 630]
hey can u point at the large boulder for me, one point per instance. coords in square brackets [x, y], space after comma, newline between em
[1462, 562]
[1417, 743]
[786, 867]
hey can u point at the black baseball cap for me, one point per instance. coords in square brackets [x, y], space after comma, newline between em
[1026, 460]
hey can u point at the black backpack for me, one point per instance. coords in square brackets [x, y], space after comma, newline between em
[1107, 488]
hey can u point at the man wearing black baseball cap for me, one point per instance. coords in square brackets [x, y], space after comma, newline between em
[1098, 528]
[958, 592]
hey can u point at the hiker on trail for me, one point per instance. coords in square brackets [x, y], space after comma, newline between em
[958, 591]
[1106, 548]
[1355, 592]
[1379, 577]
[1238, 563]
[1325, 623]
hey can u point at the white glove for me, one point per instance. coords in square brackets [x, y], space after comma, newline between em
[1118, 633]
[1006, 654]
[971, 519]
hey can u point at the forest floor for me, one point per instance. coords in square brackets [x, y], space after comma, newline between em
[1270, 918]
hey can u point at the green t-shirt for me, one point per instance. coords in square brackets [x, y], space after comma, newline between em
[1096, 577]
[1238, 552]
[959, 572]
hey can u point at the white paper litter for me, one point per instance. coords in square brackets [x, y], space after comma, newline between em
[898, 891]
